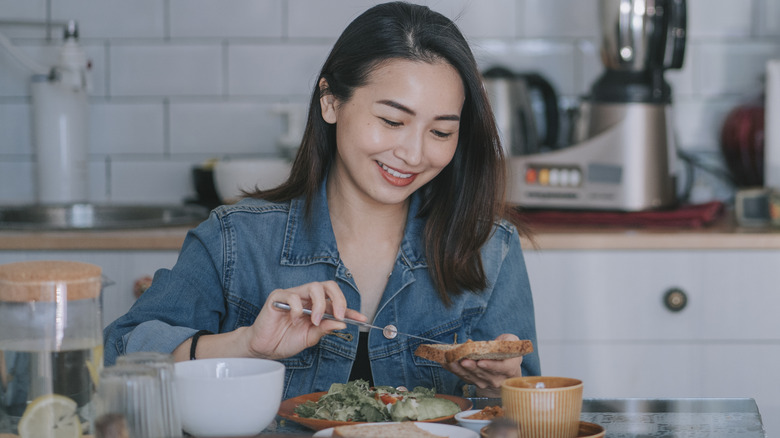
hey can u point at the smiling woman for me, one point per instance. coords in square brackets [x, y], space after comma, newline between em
[402, 125]
[393, 213]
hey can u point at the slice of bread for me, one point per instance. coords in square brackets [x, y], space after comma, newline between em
[476, 350]
[434, 352]
[378, 430]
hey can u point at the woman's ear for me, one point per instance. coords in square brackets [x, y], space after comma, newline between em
[327, 103]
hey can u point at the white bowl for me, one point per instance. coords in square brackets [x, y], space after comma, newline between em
[475, 425]
[231, 176]
[230, 396]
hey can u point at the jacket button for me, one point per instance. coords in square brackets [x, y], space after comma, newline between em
[390, 331]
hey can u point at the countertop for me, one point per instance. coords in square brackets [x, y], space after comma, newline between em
[723, 235]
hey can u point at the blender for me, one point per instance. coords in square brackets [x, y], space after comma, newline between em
[621, 156]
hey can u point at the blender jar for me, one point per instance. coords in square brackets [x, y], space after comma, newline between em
[51, 346]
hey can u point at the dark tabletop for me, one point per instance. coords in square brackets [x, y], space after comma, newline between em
[636, 418]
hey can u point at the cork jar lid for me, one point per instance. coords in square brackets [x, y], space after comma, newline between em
[49, 280]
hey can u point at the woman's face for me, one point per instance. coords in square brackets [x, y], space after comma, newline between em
[397, 132]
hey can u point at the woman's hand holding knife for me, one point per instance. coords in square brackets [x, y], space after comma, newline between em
[276, 333]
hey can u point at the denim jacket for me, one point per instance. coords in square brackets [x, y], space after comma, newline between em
[231, 262]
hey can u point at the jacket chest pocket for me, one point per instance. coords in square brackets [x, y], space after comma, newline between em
[241, 313]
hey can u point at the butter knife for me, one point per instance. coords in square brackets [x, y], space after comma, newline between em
[389, 331]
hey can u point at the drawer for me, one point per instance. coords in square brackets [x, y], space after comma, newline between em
[619, 295]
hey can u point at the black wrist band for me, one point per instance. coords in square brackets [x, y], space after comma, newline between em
[194, 343]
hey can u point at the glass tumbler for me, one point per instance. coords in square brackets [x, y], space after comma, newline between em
[163, 364]
[130, 395]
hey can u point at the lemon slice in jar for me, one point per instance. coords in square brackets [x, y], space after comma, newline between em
[94, 365]
[50, 416]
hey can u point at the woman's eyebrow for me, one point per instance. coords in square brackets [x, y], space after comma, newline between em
[398, 106]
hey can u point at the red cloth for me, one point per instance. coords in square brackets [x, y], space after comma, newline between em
[687, 216]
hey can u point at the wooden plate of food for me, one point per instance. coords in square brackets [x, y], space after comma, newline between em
[287, 411]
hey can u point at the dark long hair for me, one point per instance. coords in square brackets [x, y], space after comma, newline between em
[463, 201]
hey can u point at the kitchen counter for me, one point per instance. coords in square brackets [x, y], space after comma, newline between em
[134, 239]
[724, 235]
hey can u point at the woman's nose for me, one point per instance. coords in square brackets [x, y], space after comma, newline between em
[410, 148]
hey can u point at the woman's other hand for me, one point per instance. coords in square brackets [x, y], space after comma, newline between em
[488, 375]
[278, 334]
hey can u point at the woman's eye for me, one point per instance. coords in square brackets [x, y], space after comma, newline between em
[441, 134]
[390, 122]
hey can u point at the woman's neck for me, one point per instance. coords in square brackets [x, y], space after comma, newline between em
[368, 236]
[361, 216]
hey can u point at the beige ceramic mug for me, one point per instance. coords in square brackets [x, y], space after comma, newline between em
[542, 406]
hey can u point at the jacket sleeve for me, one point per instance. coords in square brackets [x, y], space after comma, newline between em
[510, 308]
[180, 301]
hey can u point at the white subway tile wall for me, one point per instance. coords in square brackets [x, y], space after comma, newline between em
[168, 69]
[222, 127]
[177, 82]
[276, 71]
[114, 19]
[318, 19]
[127, 128]
[231, 19]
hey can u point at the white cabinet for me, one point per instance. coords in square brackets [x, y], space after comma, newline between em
[121, 267]
[601, 317]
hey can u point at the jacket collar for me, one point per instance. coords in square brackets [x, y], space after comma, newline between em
[413, 243]
[311, 240]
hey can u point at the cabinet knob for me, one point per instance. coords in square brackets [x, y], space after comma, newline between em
[675, 299]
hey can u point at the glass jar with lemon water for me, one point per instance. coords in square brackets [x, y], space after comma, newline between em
[51, 347]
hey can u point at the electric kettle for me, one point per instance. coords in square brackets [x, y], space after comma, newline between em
[511, 96]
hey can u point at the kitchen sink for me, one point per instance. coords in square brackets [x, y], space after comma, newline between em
[98, 216]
